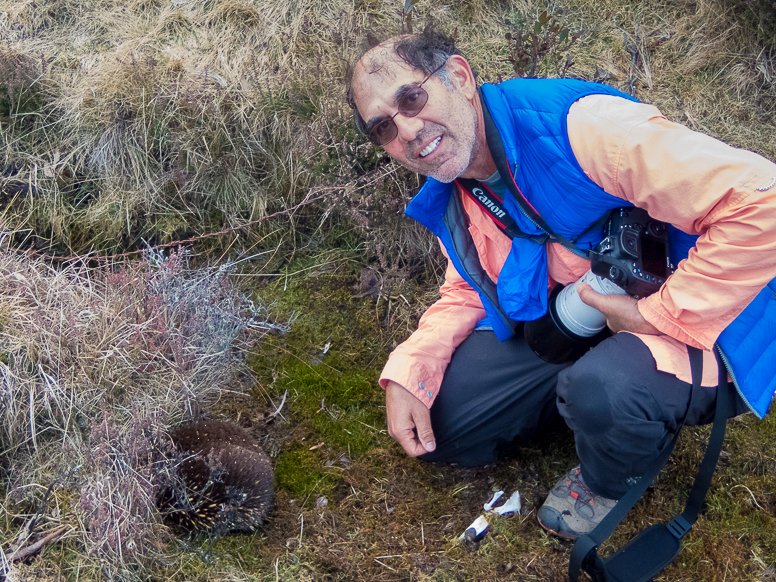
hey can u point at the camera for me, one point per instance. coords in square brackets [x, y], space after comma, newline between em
[631, 259]
[633, 253]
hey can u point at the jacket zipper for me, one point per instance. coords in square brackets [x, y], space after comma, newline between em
[496, 305]
[733, 377]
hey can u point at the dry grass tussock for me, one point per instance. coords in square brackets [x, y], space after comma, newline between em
[178, 110]
[708, 65]
[160, 119]
[155, 121]
[96, 363]
[268, 68]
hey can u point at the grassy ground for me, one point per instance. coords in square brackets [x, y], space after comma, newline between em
[351, 506]
[387, 517]
[158, 120]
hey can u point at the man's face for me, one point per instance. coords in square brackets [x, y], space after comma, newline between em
[441, 140]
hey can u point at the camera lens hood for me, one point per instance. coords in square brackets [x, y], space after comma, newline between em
[552, 341]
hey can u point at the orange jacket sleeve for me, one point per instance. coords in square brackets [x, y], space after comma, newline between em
[698, 184]
[419, 363]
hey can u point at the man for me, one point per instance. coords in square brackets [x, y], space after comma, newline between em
[465, 384]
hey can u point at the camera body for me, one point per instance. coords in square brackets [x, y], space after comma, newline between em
[633, 253]
[631, 259]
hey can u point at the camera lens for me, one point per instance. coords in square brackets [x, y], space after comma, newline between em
[570, 326]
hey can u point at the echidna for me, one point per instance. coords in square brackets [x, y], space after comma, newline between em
[224, 481]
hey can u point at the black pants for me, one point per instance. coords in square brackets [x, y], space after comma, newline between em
[622, 410]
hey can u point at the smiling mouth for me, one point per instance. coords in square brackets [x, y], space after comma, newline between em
[430, 147]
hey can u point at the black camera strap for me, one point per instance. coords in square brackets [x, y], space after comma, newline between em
[493, 206]
[655, 547]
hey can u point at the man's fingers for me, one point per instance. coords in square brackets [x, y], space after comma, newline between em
[417, 438]
[621, 311]
[411, 445]
[424, 430]
[606, 304]
[589, 296]
[407, 439]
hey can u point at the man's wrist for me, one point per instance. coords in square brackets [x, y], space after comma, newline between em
[423, 390]
[391, 385]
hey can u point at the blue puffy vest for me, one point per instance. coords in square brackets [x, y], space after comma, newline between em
[531, 118]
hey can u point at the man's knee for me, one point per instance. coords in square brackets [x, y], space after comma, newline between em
[583, 400]
[493, 393]
[597, 391]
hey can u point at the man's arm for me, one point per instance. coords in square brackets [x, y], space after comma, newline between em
[414, 371]
[700, 185]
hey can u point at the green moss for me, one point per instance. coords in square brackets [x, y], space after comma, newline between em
[340, 407]
[329, 364]
[300, 473]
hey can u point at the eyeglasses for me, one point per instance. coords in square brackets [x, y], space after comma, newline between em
[409, 105]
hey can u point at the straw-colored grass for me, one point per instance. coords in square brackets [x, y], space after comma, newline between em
[161, 120]
[95, 364]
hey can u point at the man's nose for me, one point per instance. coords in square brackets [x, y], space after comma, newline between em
[408, 127]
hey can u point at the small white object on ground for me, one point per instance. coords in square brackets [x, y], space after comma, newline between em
[496, 496]
[478, 527]
[512, 505]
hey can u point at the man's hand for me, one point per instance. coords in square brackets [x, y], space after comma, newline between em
[621, 311]
[409, 421]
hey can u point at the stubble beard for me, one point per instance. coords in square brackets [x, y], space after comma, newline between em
[464, 143]
[457, 165]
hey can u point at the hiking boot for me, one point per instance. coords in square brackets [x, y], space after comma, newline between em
[571, 509]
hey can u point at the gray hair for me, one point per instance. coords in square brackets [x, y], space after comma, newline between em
[424, 52]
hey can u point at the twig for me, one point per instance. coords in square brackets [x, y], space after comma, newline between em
[96, 257]
[22, 553]
[28, 529]
[386, 565]
[754, 499]
[279, 408]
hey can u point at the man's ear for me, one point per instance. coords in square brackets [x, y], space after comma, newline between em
[459, 69]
